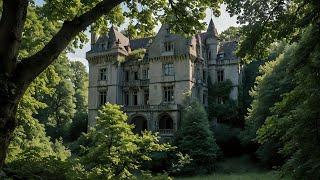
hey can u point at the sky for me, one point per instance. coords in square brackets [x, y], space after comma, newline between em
[223, 22]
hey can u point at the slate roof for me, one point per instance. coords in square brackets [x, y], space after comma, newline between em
[115, 36]
[228, 48]
[212, 29]
[140, 43]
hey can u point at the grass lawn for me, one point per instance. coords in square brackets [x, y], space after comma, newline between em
[239, 168]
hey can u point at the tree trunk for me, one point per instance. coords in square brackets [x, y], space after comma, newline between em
[8, 123]
[10, 94]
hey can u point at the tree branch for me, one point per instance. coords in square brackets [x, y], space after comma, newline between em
[175, 9]
[11, 26]
[29, 68]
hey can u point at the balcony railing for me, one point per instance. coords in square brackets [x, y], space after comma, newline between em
[136, 83]
[166, 132]
[163, 107]
[132, 83]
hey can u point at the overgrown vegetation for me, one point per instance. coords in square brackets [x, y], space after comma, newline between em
[43, 106]
[136, 54]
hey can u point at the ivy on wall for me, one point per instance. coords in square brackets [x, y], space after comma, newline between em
[220, 105]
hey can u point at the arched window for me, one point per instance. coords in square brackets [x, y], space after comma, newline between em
[140, 124]
[165, 122]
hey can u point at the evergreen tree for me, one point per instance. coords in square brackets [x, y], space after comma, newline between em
[195, 138]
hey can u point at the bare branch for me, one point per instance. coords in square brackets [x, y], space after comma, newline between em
[29, 68]
[11, 26]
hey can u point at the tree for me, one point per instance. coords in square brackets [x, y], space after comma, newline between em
[59, 112]
[294, 120]
[30, 147]
[231, 34]
[269, 90]
[80, 83]
[268, 21]
[32, 37]
[111, 149]
[196, 139]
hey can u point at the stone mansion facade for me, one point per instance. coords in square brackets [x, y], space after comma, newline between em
[149, 76]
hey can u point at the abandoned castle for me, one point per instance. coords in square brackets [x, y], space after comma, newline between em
[149, 76]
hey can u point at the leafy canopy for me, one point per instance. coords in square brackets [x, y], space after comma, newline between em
[294, 121]
[267, 21]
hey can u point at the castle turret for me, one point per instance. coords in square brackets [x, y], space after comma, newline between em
[212, 42]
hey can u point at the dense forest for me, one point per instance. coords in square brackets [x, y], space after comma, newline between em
[43, 95]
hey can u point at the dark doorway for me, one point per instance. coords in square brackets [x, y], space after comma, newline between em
[140, 124]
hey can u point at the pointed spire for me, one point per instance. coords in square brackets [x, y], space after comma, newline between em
[212, 28]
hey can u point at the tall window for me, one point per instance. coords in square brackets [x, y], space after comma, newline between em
[135, 98]
[126, 98]
[145, 74]
[146, 97]
[126, 76]
[168, 69]
[168, 46]
[103, 74]
[103, 97]
[204, 76]
[136, 75]
[165, 122]
[168, 94]
[209, 55]
[204, 97]
[220, 100]
[220, 75]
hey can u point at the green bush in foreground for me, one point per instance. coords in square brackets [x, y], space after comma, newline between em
[112, 150]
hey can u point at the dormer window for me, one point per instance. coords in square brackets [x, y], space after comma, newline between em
[168, 46]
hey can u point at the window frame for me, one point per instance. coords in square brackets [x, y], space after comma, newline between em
[126, 75]
[135, 98]
[168, 94]
[126, 98]
[168, 69]
[103, 97]
[145, 74]
[136, 75]
[220, 75]
[168, 46]
[146, 96]
[103, 72]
